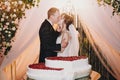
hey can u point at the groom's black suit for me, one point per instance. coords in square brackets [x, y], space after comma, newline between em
[48, 44]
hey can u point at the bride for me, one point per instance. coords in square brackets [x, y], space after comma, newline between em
[70, 35]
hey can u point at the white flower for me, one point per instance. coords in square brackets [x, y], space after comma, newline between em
[8, 8]
[7, 3]
[9, 32]
[0, 29]
[6, 17]
[28, 5]
[15, 3]
[13, 22]
[7, 44]
[20, 2]
[14, 15]
[23, 8]
[1, 25]
[13, 28]
[2, 19]
[7, 23]
[3, 15]
[6, 31]
[1, 2]
[11, 15]
[9, 35]
[14, 10]
[12, 2]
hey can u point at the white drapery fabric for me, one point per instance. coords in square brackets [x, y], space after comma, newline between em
[25, 49]
[101, 28]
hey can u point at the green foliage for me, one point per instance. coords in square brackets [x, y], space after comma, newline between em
[11, 12]
[84, 43]
[114, 3]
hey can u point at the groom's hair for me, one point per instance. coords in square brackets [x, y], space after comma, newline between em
[51, 11]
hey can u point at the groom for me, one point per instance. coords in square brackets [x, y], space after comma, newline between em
[48, 35]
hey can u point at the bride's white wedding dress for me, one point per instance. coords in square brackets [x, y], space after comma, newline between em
[72, 48]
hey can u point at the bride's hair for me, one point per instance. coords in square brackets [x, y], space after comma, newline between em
[68, 20]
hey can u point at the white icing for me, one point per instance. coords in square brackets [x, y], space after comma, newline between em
[42, 74]
[72, 70]
[58, 64]
[45, 72]
[45, 77]
[67, 65]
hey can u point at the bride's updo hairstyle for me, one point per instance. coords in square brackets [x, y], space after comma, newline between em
[68, 20]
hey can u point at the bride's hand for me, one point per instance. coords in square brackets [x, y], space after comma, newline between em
[60, 25]
[64, 43]
[62, 49]
[59, 29]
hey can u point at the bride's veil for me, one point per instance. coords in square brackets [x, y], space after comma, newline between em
[74, 42]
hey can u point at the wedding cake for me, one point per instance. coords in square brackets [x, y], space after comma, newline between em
[60, 68]
[41, 72]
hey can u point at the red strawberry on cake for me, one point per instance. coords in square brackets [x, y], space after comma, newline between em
[42, 66]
